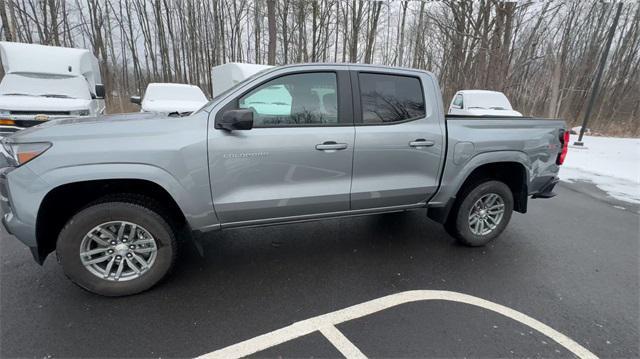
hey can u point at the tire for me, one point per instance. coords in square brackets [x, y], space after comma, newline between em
[154, 242]
[461, 224]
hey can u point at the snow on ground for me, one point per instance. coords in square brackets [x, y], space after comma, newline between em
[613, 164]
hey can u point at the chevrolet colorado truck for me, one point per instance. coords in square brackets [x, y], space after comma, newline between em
[113, 195]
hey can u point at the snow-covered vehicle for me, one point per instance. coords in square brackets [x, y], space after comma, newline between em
[481, 103]
[227, 75]
[170, 98]
[47, 82]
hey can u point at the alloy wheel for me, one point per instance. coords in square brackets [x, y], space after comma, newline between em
[118, 251]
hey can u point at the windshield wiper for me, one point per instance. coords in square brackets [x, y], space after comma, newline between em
[179, 114]
[17, 94]
[54, 95]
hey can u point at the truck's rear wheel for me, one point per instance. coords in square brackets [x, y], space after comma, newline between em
[482, 213]
[116, 248]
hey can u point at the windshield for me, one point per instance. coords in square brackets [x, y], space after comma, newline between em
[487, 100]
[55, 86]
[232, 88]
[173, 92]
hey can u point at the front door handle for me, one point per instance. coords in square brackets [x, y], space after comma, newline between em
[331, 146]
[421, 142]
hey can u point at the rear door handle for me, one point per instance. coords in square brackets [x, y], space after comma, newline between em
[421, 142]
[331, 146]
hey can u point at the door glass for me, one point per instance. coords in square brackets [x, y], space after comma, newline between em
[390, 98]
[294, 100]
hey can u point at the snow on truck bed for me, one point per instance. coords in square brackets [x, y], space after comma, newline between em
[613, 164]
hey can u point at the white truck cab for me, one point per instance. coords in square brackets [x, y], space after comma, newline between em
[481, 103]
[47, 82]
[170, 97]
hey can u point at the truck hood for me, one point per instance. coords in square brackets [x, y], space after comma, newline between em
[88, 127]
[42, 104]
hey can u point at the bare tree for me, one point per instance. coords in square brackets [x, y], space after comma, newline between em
[543, 56]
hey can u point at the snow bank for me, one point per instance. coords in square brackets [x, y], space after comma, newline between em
[613, 164]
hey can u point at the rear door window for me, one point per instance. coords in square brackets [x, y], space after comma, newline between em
[390, 98]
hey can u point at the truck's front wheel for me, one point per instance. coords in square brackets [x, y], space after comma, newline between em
[481, 213]
[116, 248]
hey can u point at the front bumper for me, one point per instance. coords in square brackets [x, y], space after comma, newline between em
[10, 222]
[34, 250]
[8, 130]
[33, 121]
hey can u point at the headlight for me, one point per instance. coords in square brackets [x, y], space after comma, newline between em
[79, 113]
[5, 112]
[21, 153]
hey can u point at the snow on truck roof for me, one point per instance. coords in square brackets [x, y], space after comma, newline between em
[51, 60]
[478, 91]
[240, 68]
[226, 75]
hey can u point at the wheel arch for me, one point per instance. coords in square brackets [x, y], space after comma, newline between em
[64, 201]
[510, 167]
[72, 188]
[513, 174]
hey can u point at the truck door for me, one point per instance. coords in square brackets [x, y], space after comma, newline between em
[296, 161]
[399, 139]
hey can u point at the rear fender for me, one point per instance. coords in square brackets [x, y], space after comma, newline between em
[455, 175]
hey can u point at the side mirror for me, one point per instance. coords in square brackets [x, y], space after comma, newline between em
[100, 91]
[135, 99]
[235, 120]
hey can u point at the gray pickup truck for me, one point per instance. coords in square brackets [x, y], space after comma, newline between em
[113, 195]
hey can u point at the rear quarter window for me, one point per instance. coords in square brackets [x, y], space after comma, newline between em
[390, 98]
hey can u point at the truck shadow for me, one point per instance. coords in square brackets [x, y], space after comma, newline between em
[383, 249]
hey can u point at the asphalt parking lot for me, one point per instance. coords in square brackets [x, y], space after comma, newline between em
[571, 263]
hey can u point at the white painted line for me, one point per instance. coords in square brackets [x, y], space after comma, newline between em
[311, 325]
[341, 343]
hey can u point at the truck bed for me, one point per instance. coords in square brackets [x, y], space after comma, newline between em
[533, 142]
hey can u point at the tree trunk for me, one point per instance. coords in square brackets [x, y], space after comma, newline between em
[271, 16]
[6, 27]
[373, 31]
[400, 59]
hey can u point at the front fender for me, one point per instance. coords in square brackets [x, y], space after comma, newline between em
[193, 198]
